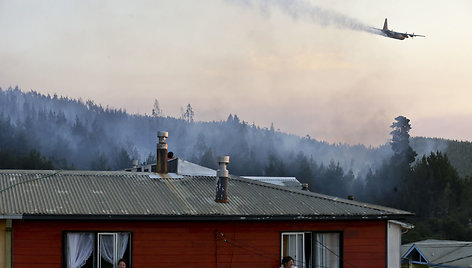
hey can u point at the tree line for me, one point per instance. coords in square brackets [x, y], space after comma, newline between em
[415, 174]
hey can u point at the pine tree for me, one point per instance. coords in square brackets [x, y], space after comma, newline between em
[156, 111]
[187, 114]
[402, 151]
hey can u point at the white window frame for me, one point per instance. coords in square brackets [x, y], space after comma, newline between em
[115, 248]
[300, 262]
[97, 254]
[296, 258]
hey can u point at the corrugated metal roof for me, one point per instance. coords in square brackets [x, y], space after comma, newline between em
[442, 253]
[290, 182]
[90, 193]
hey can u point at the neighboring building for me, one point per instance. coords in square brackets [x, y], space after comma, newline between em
[183, 167]
[178, 166]
[91, 219]
[437, 253]
[290, 182]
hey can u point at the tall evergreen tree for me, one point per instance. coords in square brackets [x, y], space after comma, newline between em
[156, 111]
[402, 151]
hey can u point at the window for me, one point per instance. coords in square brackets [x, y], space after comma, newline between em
[312, 249]
[96, 249]
[416, 257]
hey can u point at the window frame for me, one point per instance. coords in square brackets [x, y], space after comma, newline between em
[313, 234]
[96, 245]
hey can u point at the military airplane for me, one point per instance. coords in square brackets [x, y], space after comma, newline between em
[396, 35]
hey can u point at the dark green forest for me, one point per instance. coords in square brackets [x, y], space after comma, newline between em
[426, 176]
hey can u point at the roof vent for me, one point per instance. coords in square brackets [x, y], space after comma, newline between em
[222, 181]
[161, 165]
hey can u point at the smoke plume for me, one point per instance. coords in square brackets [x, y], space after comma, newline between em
[301, 9]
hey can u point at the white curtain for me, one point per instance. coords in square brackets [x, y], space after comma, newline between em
[79, 248]
[122, 244]
[320, 252]
[332, 255]
[107, 243]
[113, 247]
[326, 250]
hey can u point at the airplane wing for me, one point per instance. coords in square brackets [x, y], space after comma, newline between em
[409, 35]
[413, 35]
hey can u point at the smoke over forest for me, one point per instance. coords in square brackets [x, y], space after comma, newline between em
[84, 135]
[51, 132]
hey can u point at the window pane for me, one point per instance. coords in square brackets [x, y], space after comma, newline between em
[308, 250]
[286, 245]
[292, 245]
[299, 258]
[326, 250]
[79, 249]
[107, 250]
[112, 247]
[123, 245]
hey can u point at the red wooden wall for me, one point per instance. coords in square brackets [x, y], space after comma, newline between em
[195, 244]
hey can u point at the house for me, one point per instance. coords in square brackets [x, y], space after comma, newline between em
[92, 219]
[437, 253]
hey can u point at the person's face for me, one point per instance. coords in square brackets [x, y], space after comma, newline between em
[122, 264]
[288, 264]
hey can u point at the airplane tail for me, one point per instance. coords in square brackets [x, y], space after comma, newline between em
[385, 25]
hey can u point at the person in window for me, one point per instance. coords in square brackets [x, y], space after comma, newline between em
[122, 263]
[287, 262]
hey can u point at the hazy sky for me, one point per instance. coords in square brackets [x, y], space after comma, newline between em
[297, 64]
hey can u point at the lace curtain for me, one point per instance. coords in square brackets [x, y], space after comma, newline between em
[122, 244]
[107, 246]
[79, 249]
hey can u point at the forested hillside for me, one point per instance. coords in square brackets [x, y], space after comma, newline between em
[84, 135]
[429, 177]
[459, 152]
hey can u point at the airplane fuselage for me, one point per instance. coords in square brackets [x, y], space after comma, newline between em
[395, 35]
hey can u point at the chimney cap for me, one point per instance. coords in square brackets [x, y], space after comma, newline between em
[223, 159]
[164, 134]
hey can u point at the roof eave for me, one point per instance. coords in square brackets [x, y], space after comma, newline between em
[11, 216]
[213, 217]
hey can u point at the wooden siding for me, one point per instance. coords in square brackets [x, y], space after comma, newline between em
[195, 244]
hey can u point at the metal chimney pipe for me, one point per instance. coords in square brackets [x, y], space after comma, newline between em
[222, 180]
[161, 165]
[305, 186]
